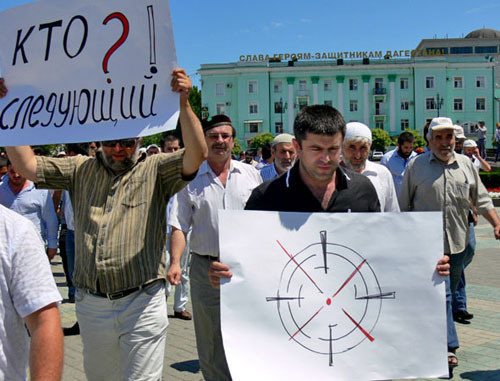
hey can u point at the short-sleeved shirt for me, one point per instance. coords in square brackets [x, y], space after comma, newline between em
[34, 204]
[382, 180]
[397, 166]
[431, 185]
[26, 286]
[197, 205]
[288, 193]
[120, 229]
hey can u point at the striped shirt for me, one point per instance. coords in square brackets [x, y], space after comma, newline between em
[120, 229]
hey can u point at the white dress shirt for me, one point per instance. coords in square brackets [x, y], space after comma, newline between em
[197, 205]
[381, 179]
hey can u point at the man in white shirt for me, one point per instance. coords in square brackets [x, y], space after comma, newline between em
[355, 150]
[29, 297]
[471, 150]
[221, 183]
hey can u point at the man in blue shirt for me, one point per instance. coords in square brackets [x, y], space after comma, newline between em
[397, 159]
[20, 195]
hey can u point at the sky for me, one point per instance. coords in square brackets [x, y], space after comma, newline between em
[219, 31]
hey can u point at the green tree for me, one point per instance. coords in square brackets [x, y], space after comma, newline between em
[261, 140]
[380, 139]
[152, 139]
[195, 100]
[237, 147]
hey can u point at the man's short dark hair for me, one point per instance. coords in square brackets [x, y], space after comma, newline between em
[78, 148]
[266, 151]
[406, 137]
[319, 120]
[168, 137]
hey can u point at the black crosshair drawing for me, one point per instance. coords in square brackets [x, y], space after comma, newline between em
[329, 299]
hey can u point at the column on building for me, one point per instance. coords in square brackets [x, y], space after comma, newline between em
[291, 104]
[366, 99]
[315, 81]
[392, 102]
[340, 93]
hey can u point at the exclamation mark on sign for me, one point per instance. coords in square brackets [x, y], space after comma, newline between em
[152, 40]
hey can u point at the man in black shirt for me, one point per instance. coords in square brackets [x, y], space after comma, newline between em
[316, 183]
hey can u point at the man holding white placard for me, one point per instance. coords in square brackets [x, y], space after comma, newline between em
[119, 199]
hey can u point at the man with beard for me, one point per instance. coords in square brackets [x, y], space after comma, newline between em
[441, 180]
[284, 157]
[471, 150]
[221, 183]
[459, 138]
[119, 202]
[355, 150]
[397, 159]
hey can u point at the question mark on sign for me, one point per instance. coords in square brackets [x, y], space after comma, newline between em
[117, 44]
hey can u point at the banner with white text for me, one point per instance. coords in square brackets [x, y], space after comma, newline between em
[86, 70]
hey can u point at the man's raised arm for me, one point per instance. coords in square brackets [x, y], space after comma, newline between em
[192, 133]
[24, 161]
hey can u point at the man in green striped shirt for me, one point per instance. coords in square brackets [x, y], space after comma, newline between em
[119, 200]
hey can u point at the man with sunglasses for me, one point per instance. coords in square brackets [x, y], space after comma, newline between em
[119, 200]
[221, 183]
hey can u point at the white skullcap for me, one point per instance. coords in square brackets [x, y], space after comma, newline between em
[357, 129]
[283, 138]
[470, 143]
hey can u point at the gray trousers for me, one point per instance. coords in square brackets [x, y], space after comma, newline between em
[206, 315]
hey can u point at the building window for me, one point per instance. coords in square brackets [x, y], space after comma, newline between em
[328, 103]
[278, 107]
[481, 82]
[458, 104]
[430, 104]
[353, 105]
[328, 85]
[480, 104]
[219, 89]
[253, 108]
[353, 84]
[379, 83]
[253, 87]
[278, 86]
[403, 83]
[302, 85]
[486, 49]
[303, 102]
[458, 82]
[405, 105]
[429, 82]
[461, 50]
[278, 127]
[220, 108]
[253, 128]
[379, 124]
[405, 124]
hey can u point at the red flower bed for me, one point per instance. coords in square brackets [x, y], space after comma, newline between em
[494, 189]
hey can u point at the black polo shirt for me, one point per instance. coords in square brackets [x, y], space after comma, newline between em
[288, 193]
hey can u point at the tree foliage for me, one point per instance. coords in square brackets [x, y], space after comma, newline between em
[195, 100]
[237, 147]
[380, 139]
[261, 140]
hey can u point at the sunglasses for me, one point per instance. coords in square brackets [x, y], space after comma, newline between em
[214, 136]
[125, 143]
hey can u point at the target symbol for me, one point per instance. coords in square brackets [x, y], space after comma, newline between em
[329, 299]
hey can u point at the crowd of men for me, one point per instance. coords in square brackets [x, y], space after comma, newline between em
[119, 200]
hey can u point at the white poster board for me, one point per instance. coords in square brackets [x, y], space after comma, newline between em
[333, 296]
[86, 70]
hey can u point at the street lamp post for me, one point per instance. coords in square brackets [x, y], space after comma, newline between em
[439, 103]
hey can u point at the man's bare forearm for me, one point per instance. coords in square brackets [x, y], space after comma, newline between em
[46, 351]
[177, 245]
[24, 161]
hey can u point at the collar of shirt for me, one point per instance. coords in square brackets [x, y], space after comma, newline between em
[29, 188]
